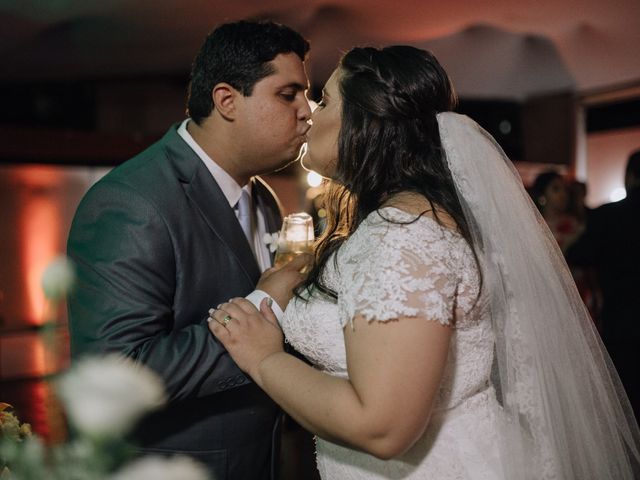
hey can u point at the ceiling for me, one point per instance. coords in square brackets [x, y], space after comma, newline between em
[511, 49]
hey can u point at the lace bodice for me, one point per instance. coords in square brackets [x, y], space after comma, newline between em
[392, 267]
[387, 270]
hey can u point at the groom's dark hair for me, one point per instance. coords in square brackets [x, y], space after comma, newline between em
[238, 53]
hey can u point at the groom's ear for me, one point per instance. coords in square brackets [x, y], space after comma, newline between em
[224, 98]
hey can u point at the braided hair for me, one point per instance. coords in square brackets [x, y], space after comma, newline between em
[388, 143]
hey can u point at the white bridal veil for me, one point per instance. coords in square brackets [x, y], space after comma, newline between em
[567, 416]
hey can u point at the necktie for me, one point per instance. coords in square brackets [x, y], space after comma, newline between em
[244, 210]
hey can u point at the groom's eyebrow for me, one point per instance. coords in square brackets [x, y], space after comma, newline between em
[296, 86]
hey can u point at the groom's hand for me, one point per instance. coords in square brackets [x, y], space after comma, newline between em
[279, 283]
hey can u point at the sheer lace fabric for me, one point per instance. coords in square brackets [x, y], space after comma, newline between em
[389, 269]
[567, 415]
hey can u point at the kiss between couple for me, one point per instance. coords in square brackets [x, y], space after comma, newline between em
[444, 335]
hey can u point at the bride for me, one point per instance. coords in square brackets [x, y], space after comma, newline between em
[447, 338]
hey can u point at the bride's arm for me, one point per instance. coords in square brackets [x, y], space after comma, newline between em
[394, 368]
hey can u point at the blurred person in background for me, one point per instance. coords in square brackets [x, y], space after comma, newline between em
[563, 209]
[584, 276]
[611, 245]
[550, 194]
[577, 206]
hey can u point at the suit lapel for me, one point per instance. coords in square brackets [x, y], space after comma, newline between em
[214, 207]
[206, 195]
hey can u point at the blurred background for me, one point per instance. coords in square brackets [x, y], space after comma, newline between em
[85, 85]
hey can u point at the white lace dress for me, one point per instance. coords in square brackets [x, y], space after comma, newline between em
[384, 271]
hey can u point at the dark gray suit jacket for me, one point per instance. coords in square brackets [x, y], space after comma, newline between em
[156, 245]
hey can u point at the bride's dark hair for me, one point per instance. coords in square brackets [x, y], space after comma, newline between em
[389, 143]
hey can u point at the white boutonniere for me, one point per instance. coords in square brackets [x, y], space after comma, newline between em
[271, 239]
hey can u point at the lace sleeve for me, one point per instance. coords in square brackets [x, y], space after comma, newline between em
[396, 270]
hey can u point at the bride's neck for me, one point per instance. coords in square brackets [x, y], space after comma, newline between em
[408, 201]
[417, 204]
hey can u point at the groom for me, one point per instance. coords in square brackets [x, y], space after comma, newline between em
[179, 229]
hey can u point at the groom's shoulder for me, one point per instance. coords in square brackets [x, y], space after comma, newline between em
[150, 181]
[150, 163]
[149, 173]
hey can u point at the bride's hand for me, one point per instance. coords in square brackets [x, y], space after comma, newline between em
[249, 335]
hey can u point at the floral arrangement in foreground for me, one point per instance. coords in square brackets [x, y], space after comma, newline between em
[10, 426]
[11, 429]
[103, 398]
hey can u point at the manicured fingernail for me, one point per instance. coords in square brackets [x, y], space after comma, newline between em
[209, 320]
[212, 311]
[269, 301]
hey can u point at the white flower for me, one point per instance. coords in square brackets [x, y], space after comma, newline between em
[105, 396]
[271, 239]
[58, 278]
[161, 468]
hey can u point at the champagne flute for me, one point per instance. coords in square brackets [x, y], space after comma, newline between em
[296, 237]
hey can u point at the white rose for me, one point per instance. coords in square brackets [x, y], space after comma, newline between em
[58, 278]
[161, 468]
[105, 396]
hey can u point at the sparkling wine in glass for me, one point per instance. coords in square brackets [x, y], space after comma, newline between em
[296, 237]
